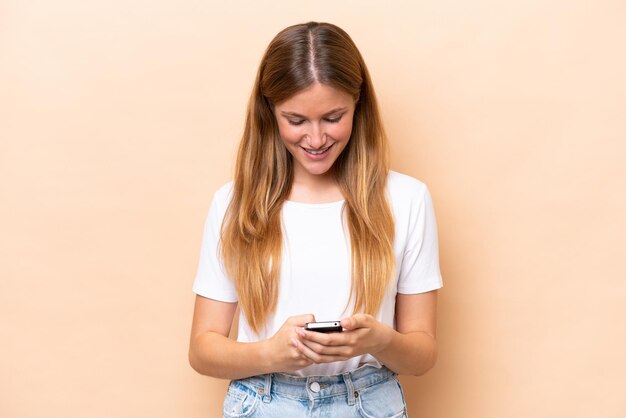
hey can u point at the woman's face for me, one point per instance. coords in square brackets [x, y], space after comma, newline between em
[315, 126]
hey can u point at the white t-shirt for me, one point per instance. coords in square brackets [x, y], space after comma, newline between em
[315, 271]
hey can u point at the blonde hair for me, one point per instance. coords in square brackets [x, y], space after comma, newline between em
[251, 236]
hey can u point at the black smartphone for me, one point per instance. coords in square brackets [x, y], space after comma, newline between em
[324, 326]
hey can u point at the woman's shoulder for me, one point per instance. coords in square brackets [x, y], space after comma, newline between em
[224, 192]
[221, 198]
[403, 187]
[408, 197]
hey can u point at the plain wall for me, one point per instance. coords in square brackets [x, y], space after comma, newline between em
[119, 119]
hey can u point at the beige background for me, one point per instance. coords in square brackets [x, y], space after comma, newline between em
[119, 119]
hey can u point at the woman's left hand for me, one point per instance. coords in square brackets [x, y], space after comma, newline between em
[362, 334]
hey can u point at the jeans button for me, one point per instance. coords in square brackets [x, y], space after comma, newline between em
[315, 387]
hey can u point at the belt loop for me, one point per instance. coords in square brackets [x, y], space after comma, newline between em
[348, 381]
[267, 388]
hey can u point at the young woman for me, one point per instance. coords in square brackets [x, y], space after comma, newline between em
[315, 227]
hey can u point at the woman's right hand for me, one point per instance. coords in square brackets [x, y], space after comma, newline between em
[280, 349]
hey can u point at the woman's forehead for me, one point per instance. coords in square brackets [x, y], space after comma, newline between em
[318, 98]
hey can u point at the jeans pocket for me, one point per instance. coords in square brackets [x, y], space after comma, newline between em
[382, 400]
[240, 401]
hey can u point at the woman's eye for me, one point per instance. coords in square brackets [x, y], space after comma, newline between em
[333, 120]
[295, 122]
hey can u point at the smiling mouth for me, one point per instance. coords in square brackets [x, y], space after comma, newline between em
[316, 152]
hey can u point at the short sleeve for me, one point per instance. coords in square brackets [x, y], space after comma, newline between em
[211, 279]
[419, 269]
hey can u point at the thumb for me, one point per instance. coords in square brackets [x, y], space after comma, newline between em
[359, 320]
[349, 323]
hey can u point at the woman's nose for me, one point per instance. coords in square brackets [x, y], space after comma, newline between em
[316, 138]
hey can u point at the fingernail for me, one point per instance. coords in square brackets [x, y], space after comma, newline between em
[294, 342]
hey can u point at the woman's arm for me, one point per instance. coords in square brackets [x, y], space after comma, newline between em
[212, 353]
[412, 349]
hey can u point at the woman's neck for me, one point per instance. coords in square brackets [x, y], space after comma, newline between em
[315, 189]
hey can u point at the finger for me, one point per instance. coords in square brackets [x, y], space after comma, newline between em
[347, 323]
[316, 357]
[317, 348]
[330, 339]
[356, 321]
[297, 353]
[334, 351]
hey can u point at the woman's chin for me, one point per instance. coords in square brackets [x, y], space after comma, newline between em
[313, 170]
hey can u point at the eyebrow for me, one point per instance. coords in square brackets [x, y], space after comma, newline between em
[336, 110]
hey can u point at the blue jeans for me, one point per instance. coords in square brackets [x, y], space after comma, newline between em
[367, 392]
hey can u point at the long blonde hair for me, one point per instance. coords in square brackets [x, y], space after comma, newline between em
[251, 236]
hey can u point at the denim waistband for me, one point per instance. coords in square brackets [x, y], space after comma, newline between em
[312, 387]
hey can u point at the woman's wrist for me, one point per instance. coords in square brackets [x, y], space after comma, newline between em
[387, 335]
[263, 354]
